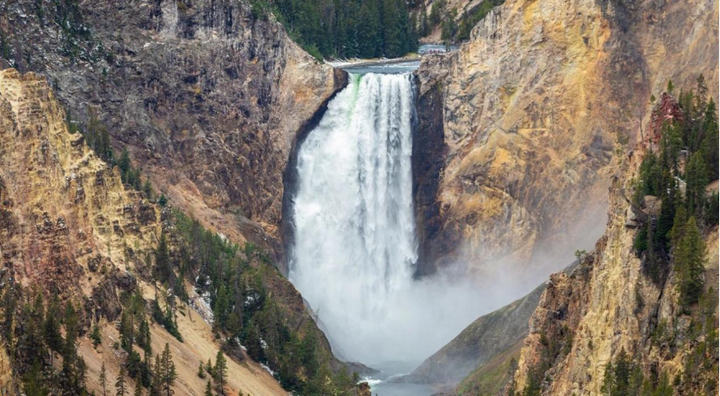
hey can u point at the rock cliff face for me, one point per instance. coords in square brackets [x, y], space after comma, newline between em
[65, 213]
[206, 95]
[609, 303]
[68, 225]
[530, 109]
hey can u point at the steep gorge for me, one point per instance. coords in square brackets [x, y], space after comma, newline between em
[69, 226]
[530, 110]
[206, 95]
[520, 133]
[208, 99]
[530, 122]
[610, 306]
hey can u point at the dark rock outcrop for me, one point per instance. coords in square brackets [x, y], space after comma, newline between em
[429, 151]
[206, 95]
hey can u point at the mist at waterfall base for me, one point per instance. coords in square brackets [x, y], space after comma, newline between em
[355, 243]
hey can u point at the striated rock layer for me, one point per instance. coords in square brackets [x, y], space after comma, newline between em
[529, 111]
[68, 226]
[65, 213]
[206, 95]
[609, 303]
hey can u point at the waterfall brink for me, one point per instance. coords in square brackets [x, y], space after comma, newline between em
[355, 241]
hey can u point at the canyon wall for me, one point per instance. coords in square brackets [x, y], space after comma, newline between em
[530, 110]
[533, 120]
[69, 226]
[609, 305]
[206, 95]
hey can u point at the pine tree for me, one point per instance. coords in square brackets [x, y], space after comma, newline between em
[10, 306]
[147, 188]
[709, 145]
[252, 342]
[124, 164]
[143, 338]
[449, 28]
[424, 28]
[220, 371]
[436, 12]
[138, 388]
[622, 373]
[671, 142]
[73, 368]
[147, 369]
[369, 39]
[32, 381]
[679, 223]
[309, 358]
[393, 40]
[222, 307]
[127, 331]
[649, 177]
[168, 371]
[96, 336]
[120, 383]
[620, 378]
[71, 331]
[163, 268]
[667, 214]
[208, 389]
[663, 388]
[636, 380]
[608, 380]
[701, 94]
[696, 179]
[103, 379]
[157, 378]
[690, 264]
[201, 370]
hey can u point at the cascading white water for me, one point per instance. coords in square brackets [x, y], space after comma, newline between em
[355, 243]
[355, 231]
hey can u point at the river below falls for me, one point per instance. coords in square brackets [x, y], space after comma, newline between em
[382, 384]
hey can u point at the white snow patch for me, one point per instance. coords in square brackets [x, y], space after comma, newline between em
[201, 304]
[237, 339]
[268, 369]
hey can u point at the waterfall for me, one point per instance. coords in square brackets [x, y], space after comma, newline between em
[354, 232]
[353, 213]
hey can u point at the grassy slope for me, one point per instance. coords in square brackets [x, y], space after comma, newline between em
[484, 339]
[491, 377]
[198, 345]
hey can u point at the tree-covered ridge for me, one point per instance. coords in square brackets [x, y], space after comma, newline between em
[452, 31]
[346, 28]
[238, 284]
[673, 213]
[676, 169]
[41, 331]
[41, 338]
